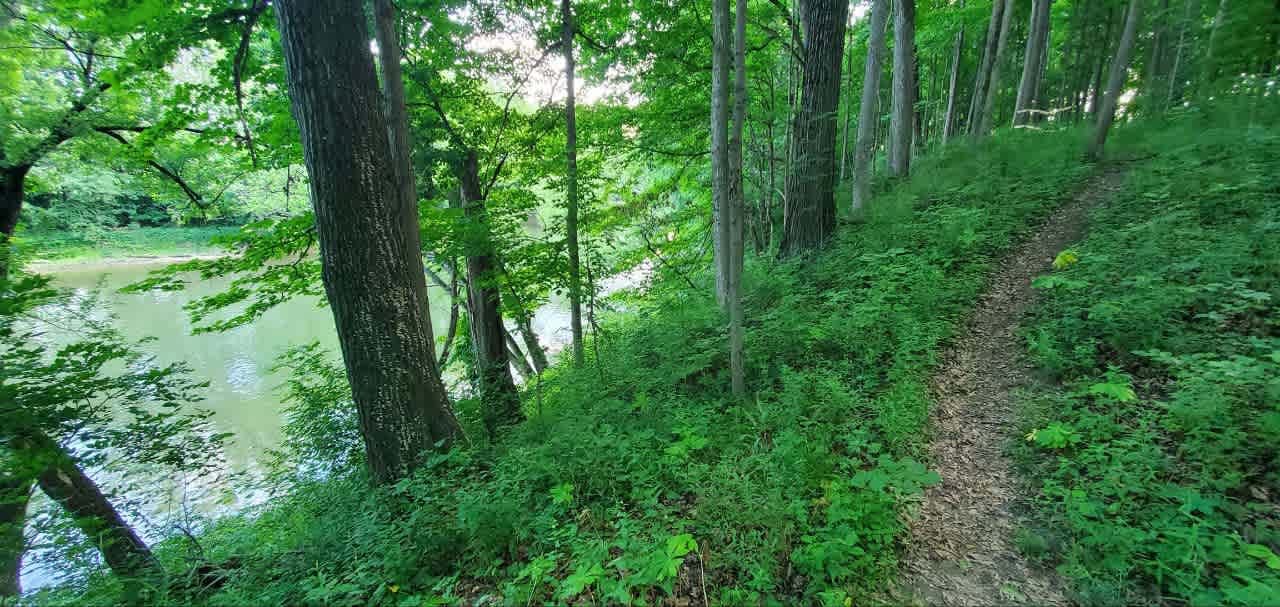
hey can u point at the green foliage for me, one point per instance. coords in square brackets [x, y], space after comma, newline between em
[637, 477]
[112, 244]
[1158, 462]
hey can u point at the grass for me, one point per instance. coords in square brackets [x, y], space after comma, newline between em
[1155, 453]
[107, 244]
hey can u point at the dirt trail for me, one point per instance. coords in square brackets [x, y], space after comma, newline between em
[962, 552]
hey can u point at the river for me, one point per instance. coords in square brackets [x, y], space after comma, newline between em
[243, 392]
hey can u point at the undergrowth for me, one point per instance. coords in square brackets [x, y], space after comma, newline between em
[1156, 452]
[637, 478]
[107, 244]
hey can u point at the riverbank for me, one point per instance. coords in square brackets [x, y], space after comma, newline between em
[51, 251]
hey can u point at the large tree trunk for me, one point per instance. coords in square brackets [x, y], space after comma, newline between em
[373, 283]
[983, 77]
[402, 165]
[1116, 79]
[571, 181]
[953, 85]
[987, 118]
[809, 216]
[15, 493]
[737, 202]
[868, 111]
[1033, 62]
[500, 404]
[902, 119]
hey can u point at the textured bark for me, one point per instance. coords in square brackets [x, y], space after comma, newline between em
[868, 111]
[987, 118]
[721, 42]
[571, 181]
[1033, 62]
[65, 483]
[1116, 79]
[401, 157]
[809, 215]
[902, 117]
[737, 203]
[983, 77]
[500, 404]
[374, 284]
[953, 85]
[15, 493]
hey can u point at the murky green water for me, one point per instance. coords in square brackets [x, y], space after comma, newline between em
[243, 393]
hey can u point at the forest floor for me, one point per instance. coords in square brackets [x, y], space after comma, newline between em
[962, 550]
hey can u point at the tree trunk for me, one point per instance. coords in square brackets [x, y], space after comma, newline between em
[737, 202]
[375, 287]
[500, 404]
[516, 355]
[1175, 80]
[993, 87]
[11, 194]
[848, 113]
[722, 39]
[868, 112]
[983, 77]
[901, 120]
[1096, 102]
[948, 120]
[402, 165]
[15, 493]
[809, 216]
[571, 181]
[1033, 63]
[1211, 50]
[1116, 80]
[65, 483]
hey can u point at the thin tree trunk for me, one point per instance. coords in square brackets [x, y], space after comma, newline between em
[993, 88]
[983, 78]
[953, 85]
[902, 119]
[809, 216]
[571, 181]
[1096, 103]
[737, 203]
[722, 40]
[1175, 80]
[375, 287]
[516, 355]
[1116, 80]
[868, 112]
[1033, 63]
[848, 113]
[1211, 50]
[500, 404]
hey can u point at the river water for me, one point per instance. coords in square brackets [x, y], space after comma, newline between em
[243, 393]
